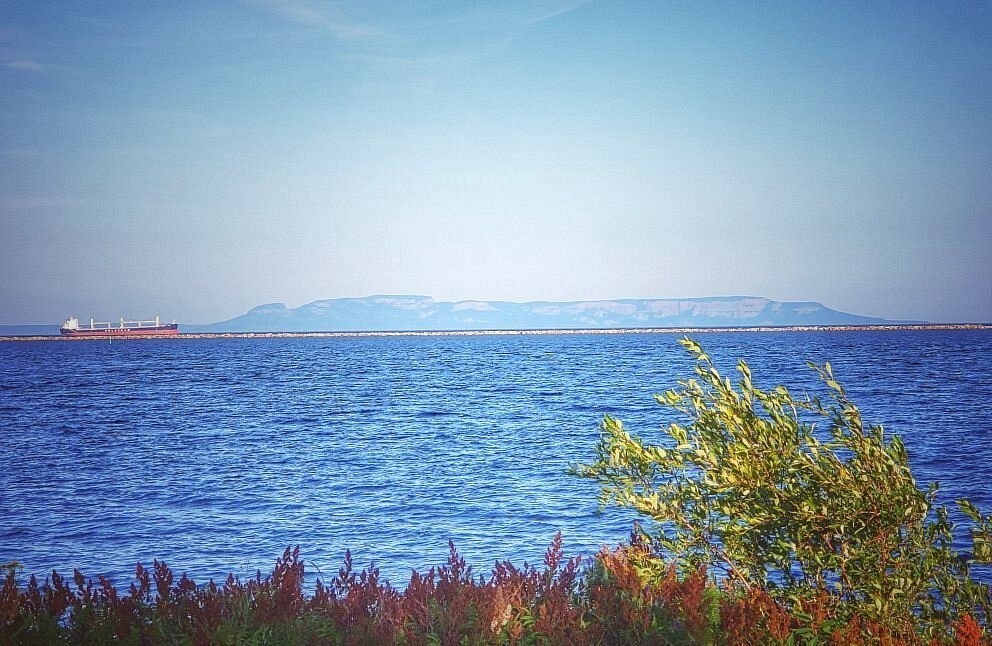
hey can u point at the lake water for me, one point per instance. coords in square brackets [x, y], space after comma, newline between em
[216, 454]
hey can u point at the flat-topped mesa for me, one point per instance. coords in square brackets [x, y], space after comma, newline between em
[423, 313]
[153, 327]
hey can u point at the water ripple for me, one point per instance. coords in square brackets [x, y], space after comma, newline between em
[214, 455]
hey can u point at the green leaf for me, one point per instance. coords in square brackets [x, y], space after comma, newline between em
[969, 509]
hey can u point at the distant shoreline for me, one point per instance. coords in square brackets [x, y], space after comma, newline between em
[657, 330]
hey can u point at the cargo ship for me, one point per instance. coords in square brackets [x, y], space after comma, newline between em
[71, 327]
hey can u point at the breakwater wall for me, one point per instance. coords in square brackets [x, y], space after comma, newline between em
[662, 330]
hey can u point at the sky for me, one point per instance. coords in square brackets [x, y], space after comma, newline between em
[195, 159]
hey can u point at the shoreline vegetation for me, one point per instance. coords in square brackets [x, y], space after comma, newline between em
[618, 598]
[763, 528]
[534, 332]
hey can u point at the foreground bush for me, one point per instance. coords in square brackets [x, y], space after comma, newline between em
[827, 518]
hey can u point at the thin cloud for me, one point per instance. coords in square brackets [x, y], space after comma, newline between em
[23, 152]
[30, 203]
[183, 122]
[568, 7]
[25, 66]
[422, 49]
[296, 11]
[305, 13]
[13, 55]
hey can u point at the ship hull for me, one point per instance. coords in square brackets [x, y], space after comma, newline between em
[171, 329]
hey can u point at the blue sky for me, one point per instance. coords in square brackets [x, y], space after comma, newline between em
[194, 159]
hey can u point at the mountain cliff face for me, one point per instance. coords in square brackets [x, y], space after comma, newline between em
[414, 313]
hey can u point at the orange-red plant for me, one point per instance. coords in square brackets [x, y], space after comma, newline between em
[624, 596]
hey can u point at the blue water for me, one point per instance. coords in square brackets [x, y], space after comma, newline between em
[216, 454]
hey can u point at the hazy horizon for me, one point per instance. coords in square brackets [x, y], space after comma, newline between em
[396, 301]
[195, 160]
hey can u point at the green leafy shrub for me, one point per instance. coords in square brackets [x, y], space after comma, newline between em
[753, 488]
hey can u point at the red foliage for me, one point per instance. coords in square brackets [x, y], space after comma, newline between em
[630, 609]
[362, 609]
[967, 632]
[623, 599]
[750, 617]
[10, 603]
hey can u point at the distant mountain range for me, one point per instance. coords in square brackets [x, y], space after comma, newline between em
[416, 313]
[423, 313]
